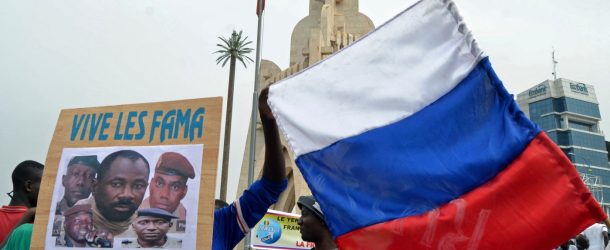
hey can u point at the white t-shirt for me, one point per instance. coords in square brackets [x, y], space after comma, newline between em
[570, 247]
[595, 234]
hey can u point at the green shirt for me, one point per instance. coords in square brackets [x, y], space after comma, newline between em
[20, 238]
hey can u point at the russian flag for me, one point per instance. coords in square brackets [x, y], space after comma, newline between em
[408, 140]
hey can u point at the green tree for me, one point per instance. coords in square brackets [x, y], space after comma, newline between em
[232, 50]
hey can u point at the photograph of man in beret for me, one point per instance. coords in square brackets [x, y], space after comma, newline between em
[168, 187]
[151, 226]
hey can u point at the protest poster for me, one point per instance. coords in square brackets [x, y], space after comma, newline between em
[278, 230]
[112, 172]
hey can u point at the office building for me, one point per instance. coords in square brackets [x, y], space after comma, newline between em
[568, 112]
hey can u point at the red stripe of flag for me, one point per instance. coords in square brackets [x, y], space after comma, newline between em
[537, 202]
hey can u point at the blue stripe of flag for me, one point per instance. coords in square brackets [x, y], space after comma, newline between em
[422, 162]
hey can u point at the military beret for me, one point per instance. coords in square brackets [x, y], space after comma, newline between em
[157, 213]
[87, 160]
[173, 163]
[82, 208]
[312, 205]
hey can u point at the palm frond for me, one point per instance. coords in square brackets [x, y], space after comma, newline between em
[220, 52]
[223, 46]
[234, 47]
[226, 59]
[224, 40]
[247, 57]
[246, 44]
[242, 61]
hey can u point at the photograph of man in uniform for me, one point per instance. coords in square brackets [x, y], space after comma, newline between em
[151, 227]
[118, 191]
[77, 181]
[168, 187]
[77, 225]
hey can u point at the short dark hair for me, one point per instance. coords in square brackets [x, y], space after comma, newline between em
[26, 170]
[129, 154]
[582, 242]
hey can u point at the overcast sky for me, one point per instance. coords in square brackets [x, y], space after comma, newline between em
[81, 53]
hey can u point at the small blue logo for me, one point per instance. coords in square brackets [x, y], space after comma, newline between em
[269, 231]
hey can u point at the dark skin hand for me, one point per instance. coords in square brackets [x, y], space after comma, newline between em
[274, 168]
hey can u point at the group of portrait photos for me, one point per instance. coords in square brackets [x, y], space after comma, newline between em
[126, 197]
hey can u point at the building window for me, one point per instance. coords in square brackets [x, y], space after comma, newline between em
[587, 140]
[540, 108]
[582, 107]
[548, 122]
[559, 104]
[588, 158]
[564, 138]
[563, 104]
[581, 126]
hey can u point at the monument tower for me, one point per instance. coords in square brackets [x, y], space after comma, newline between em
[330, 26]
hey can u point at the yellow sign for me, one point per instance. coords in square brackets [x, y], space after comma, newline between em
[278, 230]
[112, 172]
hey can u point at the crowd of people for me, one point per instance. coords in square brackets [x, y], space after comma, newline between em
[595, 237]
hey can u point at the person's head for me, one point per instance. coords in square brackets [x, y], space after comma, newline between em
[78, 223]
[218, 203]
[120, 185]
[26, 183]
[168, 186]
[311, 223]
[79, 177]
[582, 242]
[152, 225]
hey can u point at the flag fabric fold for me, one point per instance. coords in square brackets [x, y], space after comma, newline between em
[408, 138]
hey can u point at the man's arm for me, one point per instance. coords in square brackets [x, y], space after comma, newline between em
[232, 223]
[274, 168]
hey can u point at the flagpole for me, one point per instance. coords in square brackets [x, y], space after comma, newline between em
[253, 116]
